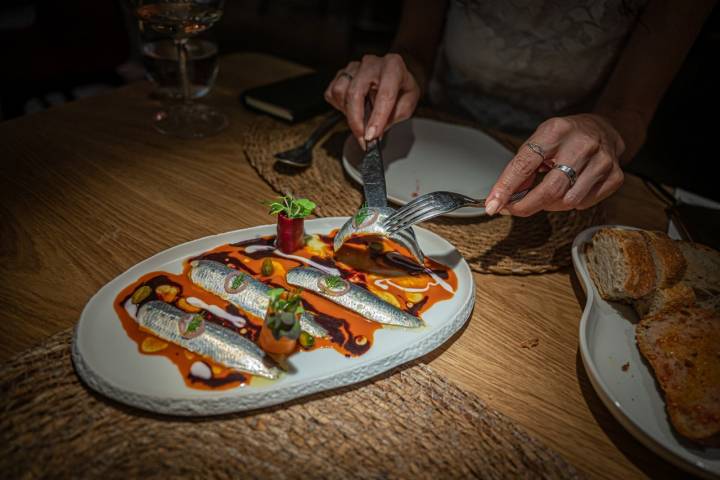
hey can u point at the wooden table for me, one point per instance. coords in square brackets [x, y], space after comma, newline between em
[89, 189]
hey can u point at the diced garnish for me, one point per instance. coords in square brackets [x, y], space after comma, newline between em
[166, 293]
[141, 294]
[267, 267]
[306, 340]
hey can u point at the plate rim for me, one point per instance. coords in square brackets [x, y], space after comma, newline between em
[686, 461]
[357, 177]
[226, 403]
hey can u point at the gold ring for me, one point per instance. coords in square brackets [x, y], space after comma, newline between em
[537, 149]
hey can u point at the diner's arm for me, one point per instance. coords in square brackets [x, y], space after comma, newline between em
[594, 145]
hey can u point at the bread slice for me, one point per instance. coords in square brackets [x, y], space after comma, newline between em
[621, 264]
[669, 261]
[681, 345]
[702, 273]
[679, 295]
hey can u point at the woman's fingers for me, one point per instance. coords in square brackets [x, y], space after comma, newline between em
[540, 148]
[394, 89]
[392, 75]
[337, 90]
[603, 190]
[366, 78]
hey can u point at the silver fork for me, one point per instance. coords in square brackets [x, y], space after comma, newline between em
[431, 205]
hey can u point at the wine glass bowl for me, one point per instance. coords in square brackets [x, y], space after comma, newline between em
[181, 20]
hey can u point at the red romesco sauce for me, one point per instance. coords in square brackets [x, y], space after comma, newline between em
[350, 334]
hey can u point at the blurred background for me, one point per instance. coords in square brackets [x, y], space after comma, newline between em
[54, 52]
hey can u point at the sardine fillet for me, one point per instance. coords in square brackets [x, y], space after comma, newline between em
[253, 299]
[221, 344]
[357, 299]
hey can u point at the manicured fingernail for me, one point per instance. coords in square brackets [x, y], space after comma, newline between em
[370, 133]
[492, 206]
[361, 141]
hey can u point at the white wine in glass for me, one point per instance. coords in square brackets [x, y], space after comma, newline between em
[181, 20]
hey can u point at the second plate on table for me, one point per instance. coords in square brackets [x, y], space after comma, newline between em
[622, 378]
[423, 156]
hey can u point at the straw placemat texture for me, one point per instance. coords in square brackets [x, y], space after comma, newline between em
[413, 424]
[500, 244]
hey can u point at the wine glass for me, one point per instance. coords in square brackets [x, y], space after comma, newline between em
[181, 20]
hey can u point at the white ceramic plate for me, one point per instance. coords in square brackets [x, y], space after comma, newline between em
[607, 342]
[109, 361]
[423, 156]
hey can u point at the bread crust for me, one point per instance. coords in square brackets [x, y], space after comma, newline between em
[669, 260]
[681, 345]
[679, 295]
[640, 279]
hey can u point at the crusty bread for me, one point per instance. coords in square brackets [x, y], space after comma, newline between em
[621, 264]
[678, 295]
[702, 273]
[669, 261]
[681, 345]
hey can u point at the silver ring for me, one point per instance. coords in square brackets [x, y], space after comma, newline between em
[343, 73]
[569, 172]
[537, 149]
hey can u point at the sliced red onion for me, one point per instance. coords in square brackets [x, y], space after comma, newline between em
[230, 279]
[335, 292]
[184, 323]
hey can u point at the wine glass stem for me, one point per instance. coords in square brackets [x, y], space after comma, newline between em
[182, 53]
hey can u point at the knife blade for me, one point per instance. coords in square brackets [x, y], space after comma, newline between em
[373, 169]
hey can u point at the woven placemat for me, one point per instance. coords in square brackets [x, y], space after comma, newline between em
[413, 424]
[500, 244]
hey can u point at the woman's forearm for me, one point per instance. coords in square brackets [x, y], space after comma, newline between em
[418, 36]
[653, 55]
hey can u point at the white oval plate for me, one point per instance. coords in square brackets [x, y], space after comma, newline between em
[607, 342]
[423, 156]
[109, 361]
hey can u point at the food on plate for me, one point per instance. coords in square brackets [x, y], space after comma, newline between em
[230, 287]
[192, 332]
[621, 264]
[281, 329]
[291, 213]
[251, 296]
[681, 345]
[351, 296]
[679, 332]
[678, 295]
[667, 258]
[702, 273]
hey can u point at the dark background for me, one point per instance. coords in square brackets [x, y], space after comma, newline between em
[55, 51]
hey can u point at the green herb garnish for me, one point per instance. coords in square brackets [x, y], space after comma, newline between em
[334, 281]
[291, 207]
[238, 280]
[283, 313]
[362, 214]
[194, 324]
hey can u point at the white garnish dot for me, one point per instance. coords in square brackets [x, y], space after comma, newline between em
[217, 311]
[201, 370]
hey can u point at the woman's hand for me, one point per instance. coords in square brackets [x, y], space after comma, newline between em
[396, 93]
[587, 143]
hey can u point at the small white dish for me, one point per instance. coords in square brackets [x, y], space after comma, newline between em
[110, 363]
[607, 343]
[423, 156]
